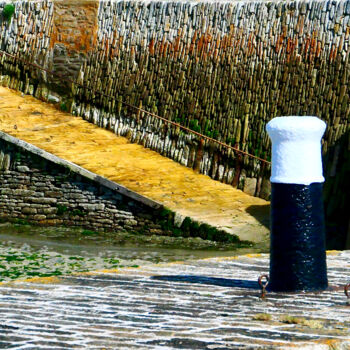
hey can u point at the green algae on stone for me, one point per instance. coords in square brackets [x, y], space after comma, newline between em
[8, 11]
[262, 317]
[310, 323]
[23, 262]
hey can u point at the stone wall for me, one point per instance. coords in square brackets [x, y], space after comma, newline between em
[40, 191]
[221, 68]
[40, 188]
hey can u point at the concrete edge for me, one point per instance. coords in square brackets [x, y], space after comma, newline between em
[80, 171]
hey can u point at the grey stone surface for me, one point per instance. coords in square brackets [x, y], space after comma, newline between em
[250, 185]
[204, 304]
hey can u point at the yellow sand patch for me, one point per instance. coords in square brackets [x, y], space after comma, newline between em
[253, 255]
[333, 252]
[41, 280]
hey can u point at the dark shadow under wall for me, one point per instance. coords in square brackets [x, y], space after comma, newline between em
[337, 193]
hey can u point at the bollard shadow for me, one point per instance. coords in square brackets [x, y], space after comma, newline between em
[213, 281]
[261, 213]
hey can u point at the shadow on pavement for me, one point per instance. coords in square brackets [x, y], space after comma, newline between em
[261, 213]
[222, 282]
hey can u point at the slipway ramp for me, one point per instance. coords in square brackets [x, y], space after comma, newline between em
[134, 167]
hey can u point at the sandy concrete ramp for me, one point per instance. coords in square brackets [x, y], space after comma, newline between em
[133, 166]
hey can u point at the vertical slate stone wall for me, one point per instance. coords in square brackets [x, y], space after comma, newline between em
[220, 68]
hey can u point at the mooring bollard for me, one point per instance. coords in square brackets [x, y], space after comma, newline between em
[298, 254]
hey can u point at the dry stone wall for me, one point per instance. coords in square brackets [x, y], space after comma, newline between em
[39, 191]
[221, 68]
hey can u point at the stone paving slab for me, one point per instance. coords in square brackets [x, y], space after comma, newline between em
[205, 304]
[133, 166]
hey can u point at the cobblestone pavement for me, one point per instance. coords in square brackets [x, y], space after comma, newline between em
[205, 304]
[133, 166]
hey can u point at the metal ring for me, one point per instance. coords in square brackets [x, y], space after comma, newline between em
[346, 290]
[262, 284]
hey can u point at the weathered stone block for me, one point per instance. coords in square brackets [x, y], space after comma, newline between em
[265, 191]
[53, 194]
[43, 200]
[39, 217]
[130, 222]
[250, 185]
[93, 207]
[29, 210]
[178, 219]
[76, 196]
[23, 169]
[23, 193]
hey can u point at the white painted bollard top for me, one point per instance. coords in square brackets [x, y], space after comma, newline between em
[296, 149]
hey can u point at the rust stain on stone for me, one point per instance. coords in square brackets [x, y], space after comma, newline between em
[206, 47]
[75, 25]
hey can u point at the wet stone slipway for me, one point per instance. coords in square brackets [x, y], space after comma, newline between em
[197, 304]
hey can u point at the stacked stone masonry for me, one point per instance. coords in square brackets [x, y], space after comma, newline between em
[35, 190]
[38, 187]
[221, 68]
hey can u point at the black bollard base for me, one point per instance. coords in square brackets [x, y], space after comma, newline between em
[298, 254]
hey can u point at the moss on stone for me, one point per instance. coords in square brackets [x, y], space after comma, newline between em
[89, 232]
[166, 212]
[314, 324]
[262, 317]
[64, 107]
[77, 212]
[61, 209]
[8, 11]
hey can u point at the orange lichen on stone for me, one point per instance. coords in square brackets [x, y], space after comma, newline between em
[75, 25]
[151, 47]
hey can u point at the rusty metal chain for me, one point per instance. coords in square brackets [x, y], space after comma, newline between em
[64, 78]
[347, 293]
[263, 284]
